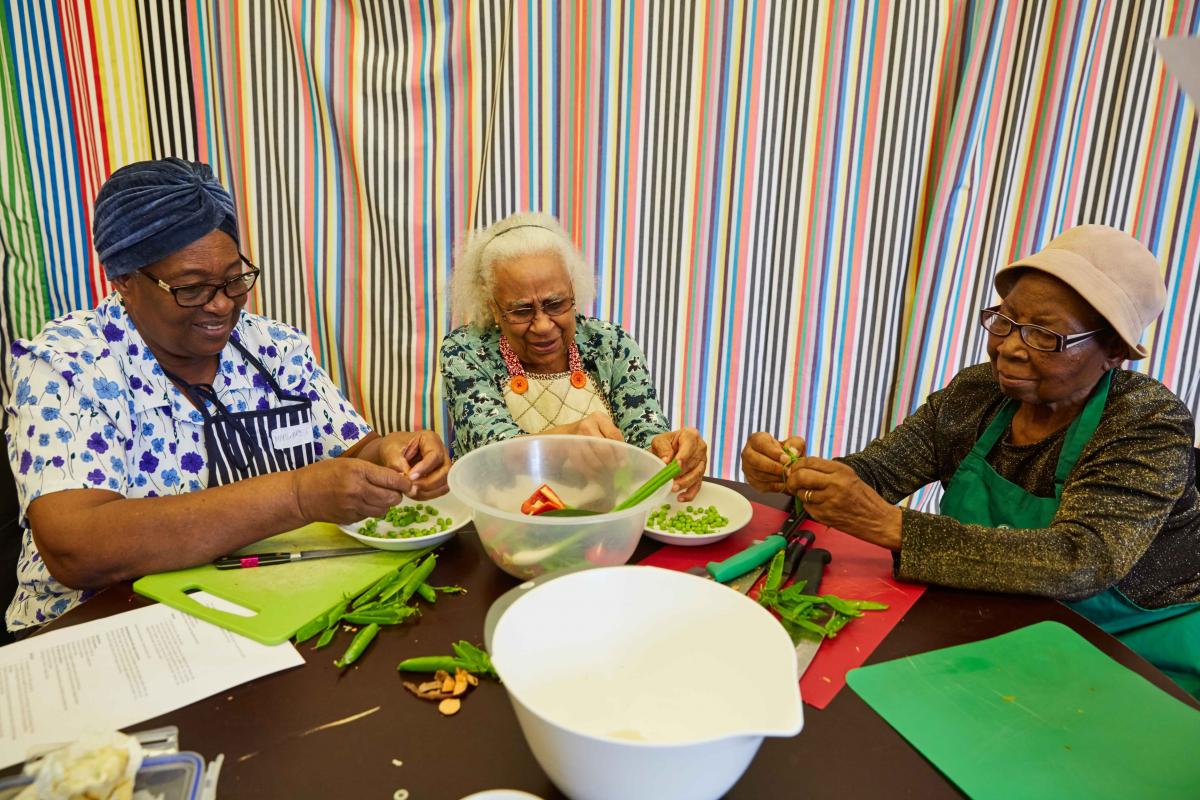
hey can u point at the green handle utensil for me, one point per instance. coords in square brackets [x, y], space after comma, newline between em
[742, 562]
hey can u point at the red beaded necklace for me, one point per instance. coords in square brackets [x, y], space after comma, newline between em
[516, 372]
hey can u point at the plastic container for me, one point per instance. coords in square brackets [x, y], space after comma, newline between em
[638, 682]
[586, 472]
[177, 776]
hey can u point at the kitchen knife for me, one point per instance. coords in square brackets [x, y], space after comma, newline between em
[793, 553]
[266, 559]
[756, 554]
[810, 570]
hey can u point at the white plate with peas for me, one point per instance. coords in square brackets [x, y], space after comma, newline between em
[413, 524]
[714, 513]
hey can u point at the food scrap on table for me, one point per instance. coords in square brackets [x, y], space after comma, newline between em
[468, 662]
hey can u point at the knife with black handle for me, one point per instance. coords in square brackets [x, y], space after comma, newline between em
[810, 570]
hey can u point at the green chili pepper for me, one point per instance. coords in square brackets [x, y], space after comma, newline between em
[427, 592]
[357, 646]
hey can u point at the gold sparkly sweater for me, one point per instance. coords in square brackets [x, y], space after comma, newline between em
[1129, 513]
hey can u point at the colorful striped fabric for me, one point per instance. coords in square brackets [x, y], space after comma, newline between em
[796, 208]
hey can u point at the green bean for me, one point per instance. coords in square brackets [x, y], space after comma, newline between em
[357, 646]
[427, 592]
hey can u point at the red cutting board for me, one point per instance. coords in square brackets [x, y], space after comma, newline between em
[857, 570]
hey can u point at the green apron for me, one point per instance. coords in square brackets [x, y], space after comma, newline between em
[1167, 637]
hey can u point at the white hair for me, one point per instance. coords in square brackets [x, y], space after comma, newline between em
[473, 283]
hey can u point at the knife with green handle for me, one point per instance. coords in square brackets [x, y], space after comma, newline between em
[746, 560]
[810, 570]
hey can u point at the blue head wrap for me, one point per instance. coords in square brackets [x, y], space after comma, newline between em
[149, 209]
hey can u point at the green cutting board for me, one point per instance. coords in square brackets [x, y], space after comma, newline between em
[283, 596]
[1038, 713]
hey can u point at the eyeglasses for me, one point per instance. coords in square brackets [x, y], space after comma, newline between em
[1035, 336]
[193, 295]
[523, 315]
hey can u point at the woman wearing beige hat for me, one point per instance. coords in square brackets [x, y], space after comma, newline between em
[1065, 475]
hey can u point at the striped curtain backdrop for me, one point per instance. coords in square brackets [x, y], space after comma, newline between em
[795, 207]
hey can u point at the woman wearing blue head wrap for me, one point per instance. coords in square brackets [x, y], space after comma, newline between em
[167, 427]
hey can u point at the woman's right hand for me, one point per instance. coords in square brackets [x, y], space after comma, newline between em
[345, 490]
[765, 460]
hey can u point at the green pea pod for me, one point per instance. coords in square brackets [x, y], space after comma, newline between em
[427, 592]
[841, 606]
[430, 664]
[326, 636]
[478, 659]
[808, 625]
[310, 629]
[361, 639]
[373, 591]
[835, 624]
[384, 616]
[775, 572]
[397, 581]
[414, 576]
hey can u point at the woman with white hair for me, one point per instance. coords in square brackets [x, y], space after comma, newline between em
[527, 362]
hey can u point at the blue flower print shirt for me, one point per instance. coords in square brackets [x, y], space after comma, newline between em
[92, 409]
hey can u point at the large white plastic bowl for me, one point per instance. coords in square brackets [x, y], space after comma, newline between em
[586, 472]
[638, 682]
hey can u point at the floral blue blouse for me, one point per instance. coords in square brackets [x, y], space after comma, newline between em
[474, 375]
[91, 409]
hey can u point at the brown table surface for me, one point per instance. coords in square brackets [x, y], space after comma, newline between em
[845, 750]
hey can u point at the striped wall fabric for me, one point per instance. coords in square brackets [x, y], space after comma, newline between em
[795, 207]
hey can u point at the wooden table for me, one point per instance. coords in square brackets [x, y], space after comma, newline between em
[263, 727]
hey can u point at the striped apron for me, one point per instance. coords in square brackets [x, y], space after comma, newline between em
[246, 444]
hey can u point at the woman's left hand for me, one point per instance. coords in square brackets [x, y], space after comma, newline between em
[834, 495]
[419, 454]
[686, 447]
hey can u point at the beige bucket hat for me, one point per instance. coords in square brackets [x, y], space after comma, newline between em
[1110, 269]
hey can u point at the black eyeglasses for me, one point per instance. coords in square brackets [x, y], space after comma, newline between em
[523, 315]
[193, 295]
[1035, 336]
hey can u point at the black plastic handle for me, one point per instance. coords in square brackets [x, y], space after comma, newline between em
[812, 568]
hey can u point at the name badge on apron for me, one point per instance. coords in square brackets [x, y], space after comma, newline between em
[291, 436]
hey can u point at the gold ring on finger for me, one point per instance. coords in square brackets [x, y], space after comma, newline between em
[807, 496]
